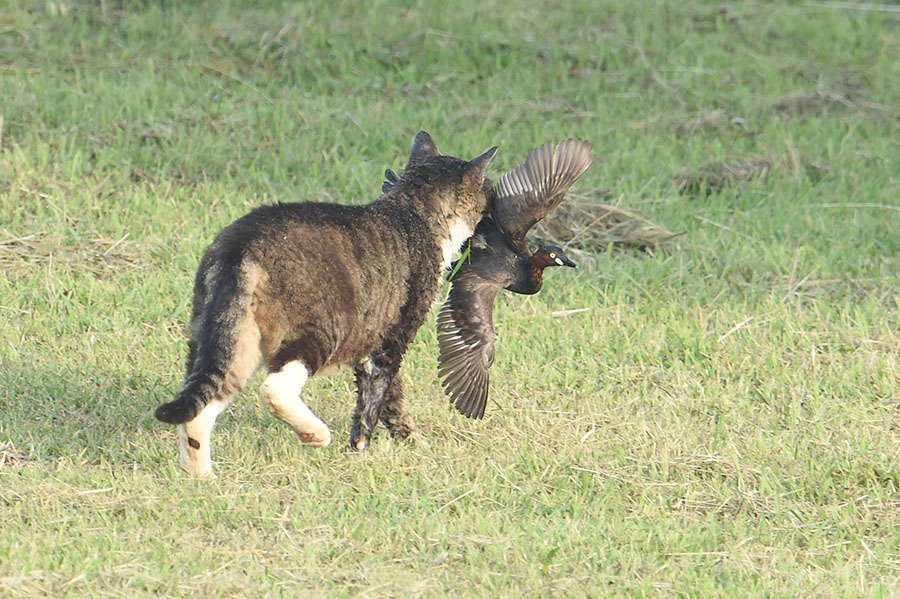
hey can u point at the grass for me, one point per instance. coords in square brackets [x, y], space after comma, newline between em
[719, 420]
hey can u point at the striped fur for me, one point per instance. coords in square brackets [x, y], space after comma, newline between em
[324, 286]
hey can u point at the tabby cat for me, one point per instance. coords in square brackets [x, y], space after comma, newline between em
[308, 287]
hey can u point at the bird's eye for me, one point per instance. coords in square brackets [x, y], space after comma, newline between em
[552, 256]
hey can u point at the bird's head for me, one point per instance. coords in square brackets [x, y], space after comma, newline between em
[550, 255]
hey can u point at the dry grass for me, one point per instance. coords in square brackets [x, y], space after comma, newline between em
[825, 99]
[585, 224]
[97, 255]
[715, 176]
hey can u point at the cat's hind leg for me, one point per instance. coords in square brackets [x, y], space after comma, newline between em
[194, 435]
[280, 393]
[194, 439]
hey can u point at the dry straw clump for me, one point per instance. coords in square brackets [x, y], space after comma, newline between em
[584, 223]
[715, 176]
[97, 255]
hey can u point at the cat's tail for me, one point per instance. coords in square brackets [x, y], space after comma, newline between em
[226, 342]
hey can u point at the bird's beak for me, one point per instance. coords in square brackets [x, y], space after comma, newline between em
[569, 263]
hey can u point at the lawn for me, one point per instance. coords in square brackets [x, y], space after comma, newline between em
[715, 417]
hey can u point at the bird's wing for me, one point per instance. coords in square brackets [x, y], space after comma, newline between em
[466, 340]
[528, 193]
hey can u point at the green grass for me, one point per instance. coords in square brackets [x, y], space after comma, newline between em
[722, 420]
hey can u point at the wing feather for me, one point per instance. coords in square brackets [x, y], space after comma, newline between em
[529, 192]
[466, 340]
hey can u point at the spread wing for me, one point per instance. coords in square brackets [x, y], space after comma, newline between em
[466, 340]
[528, 193]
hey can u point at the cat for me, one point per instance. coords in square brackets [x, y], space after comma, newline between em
[309, 287]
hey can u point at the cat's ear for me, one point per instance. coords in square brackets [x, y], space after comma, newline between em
[423, 147]
[478, 165]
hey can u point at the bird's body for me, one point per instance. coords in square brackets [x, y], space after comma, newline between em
[499, 258]
[465, 322]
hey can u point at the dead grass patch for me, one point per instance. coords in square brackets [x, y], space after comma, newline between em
[822, 100]
[847, 91]
[98, 255]
[585, 224]
[10, 455]
[711, 120]
[715, 176]
[700, 122]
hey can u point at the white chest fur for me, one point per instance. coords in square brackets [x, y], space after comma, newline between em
[459, 232]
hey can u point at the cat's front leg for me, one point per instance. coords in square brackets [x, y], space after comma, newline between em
[373, 380]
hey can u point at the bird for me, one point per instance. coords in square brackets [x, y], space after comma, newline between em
[498, 258]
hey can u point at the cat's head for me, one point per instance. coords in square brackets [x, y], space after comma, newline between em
[450, 188]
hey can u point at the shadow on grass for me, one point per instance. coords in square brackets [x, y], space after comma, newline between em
[78, 414]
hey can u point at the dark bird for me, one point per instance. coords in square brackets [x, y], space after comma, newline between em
[499, 259]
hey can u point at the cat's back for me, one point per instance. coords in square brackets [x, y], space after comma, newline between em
[362, 251]
[271, 223]
[343, 271]
[272, 234]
